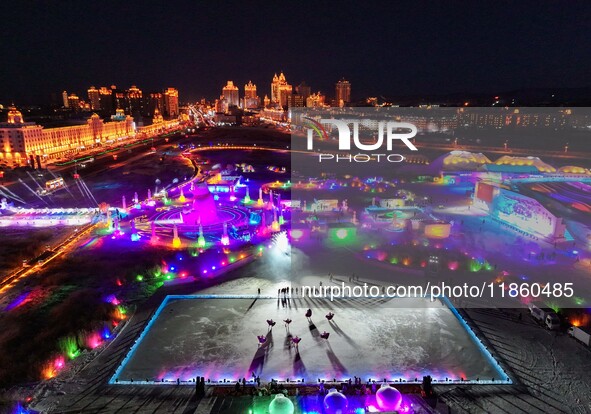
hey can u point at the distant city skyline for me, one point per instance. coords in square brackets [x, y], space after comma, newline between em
[390, 49]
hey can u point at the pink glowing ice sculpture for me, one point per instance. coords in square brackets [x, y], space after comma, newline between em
[388, 398]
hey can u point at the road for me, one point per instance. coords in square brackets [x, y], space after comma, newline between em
[48, 256]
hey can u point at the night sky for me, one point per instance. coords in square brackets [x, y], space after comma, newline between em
[389, 48]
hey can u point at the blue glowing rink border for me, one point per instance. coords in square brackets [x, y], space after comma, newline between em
[503, 376]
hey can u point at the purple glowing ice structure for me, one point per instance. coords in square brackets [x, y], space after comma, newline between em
[388, 398]
[335, 402]
[225, 238]
[203, 209]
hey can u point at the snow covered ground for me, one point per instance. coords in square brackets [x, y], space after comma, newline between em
[550, 369]
[217, 338]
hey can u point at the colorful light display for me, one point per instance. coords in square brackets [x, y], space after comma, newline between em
[437, 230]
[281, 405]
[341, 233]
[388, 398]
[335, 402]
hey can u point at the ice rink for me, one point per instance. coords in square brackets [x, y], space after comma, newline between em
[216, 337]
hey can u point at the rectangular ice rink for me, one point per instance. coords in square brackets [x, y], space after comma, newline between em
[216, 337]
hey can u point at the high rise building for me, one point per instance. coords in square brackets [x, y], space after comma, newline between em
[343, 92]
[171, 102]
[266, 101]
[74, 102]
[296, 101]
[250, 90]
[135, 100]
[119, 98]
[94, 97]
[251, 100]
[304, 90]
[155, 102]
[106, 100]
[221, 105]
[65, 99]
[280, 90]
[230, 93]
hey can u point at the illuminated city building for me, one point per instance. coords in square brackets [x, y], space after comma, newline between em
[280, 90]
[106, 99]
[315, 100]
[296, 101]
[221, 105]
[157, 118]
[304, 90]
[343, 92]
[135, 100]
[13, 135]
[372, 101]
[65, 99]
[266, 101]
[516, 118]
[155, 101]
[20, 140]
[94, 97]
[15, 116]
[251, 100]
[158, 126]
[119, 98]
[171, 102]
[274, 114]
[74, 102]
[230, 94]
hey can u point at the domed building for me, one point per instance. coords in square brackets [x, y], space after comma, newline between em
[526, 161]
[464, 160]
[15, 116]
[573, 169]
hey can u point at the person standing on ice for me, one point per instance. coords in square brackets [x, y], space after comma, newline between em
[309, 313]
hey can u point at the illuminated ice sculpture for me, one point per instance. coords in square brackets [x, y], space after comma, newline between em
[247, 199]
[260, 200]
[335, 402]
[388, 398]
[153, 237]
[176, 241]
[281, 405]
[201, 238]
[134, 234]
[203, 209]
[225, 239]
[275, 224]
